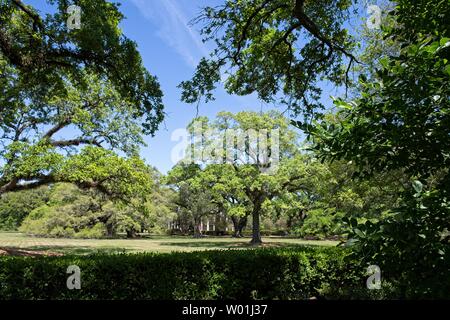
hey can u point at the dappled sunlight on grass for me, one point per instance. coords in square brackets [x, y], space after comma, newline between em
[21, 244]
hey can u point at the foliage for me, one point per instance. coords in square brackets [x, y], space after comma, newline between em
[400, 122]
[194, 199]
[38, 54]
[16, 206]
[278, 49]
[250, 274]
[240, 186]
[36, 157]
[321, 224]
[113, 175]
[313, 197]
[160, 206]
[71, 212]
[330, 196]
[74, 212]
[88, 85]
[372, 46]
[411, 245]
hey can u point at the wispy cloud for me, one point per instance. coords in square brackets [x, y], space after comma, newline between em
[173, 27]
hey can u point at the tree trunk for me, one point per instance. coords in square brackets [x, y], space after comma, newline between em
[235, 227]
[241, 225]
[131, 234]
[238, 226]
[256, 236]
[197, 229]
[110, 230]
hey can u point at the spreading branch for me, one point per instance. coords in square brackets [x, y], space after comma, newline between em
[37, 22]
[75, 142]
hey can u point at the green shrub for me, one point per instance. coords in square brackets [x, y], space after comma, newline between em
[15, 206]
[233, 274]
[48, 221]
[320, 224]
[96, 232]
[78, 213]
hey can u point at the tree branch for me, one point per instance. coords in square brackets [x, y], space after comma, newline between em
[74, 142]
[7, 49]
[42, 180]
[56, 128]
[13, 185]
[35, 17]
[247, 27]
[312, 28]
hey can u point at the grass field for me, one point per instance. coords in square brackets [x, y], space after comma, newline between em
[20, 244]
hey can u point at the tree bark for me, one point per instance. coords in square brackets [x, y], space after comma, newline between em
[131, 234]
[238, 226]
[256, 236]
[110, 233]
[197, 229]
[235, 226]
[242, 222]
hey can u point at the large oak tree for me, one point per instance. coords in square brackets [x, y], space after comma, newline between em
[69, 98]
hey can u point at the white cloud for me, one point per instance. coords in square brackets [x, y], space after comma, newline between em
[173, 28]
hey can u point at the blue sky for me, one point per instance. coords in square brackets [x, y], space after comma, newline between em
[170, 48]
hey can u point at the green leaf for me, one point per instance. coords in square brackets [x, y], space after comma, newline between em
[447, 69]
[418, 186]
[343, 105]
[359, 233]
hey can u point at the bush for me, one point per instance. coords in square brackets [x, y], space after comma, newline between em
[56, 222]
[96, 232]
[233, 274]
[15, 206]
[411, 244]
[320, 224]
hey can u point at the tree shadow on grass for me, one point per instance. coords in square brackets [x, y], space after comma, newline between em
[37, 251]
[233, 244]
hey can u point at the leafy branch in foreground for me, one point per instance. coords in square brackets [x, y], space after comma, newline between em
[401, 122]
[279, 49]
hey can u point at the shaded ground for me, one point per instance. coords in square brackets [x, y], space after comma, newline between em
[22, 245]
[26, 253]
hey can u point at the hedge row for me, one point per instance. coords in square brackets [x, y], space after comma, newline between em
[233, 274]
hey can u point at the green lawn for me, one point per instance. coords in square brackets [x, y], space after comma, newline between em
[18, 243]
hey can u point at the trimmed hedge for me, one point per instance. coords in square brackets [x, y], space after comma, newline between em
[232, 274]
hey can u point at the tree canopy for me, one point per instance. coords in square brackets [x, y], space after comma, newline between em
[38, 54]
[240, 187]
[279, 49]
[400, 121]
[87, 85]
